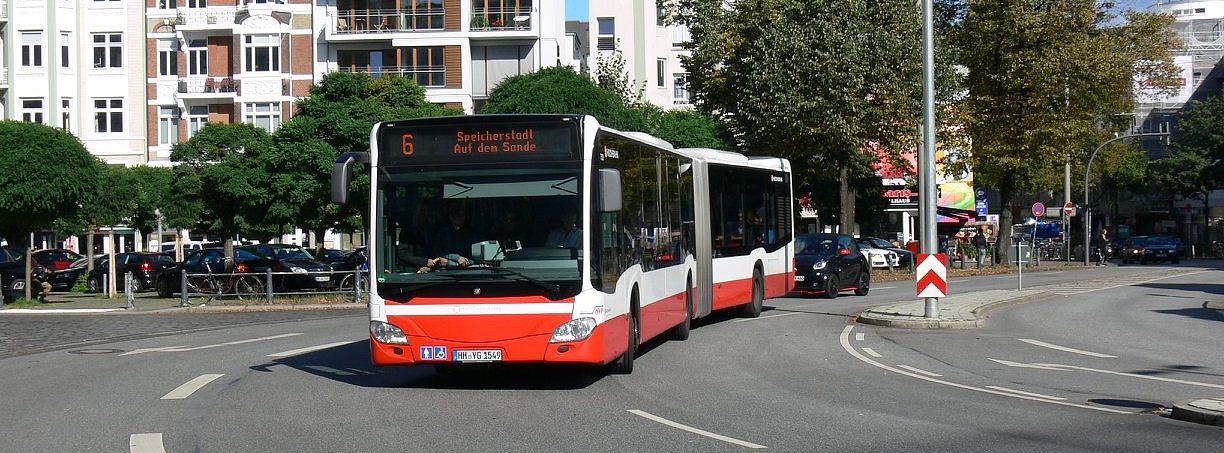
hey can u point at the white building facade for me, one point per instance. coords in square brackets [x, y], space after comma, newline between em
[79, 65]
[649, 46]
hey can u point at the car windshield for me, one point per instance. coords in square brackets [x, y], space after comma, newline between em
[815, 245]
[880, 243]
[1160, 240]
[291, 253]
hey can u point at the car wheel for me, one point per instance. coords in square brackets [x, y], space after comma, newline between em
[1176, 261]
[864, 284]
[832, 287]
[163, 288]
[93, 285]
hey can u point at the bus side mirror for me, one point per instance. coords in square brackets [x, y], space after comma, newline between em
[609, 190]
[342, 172]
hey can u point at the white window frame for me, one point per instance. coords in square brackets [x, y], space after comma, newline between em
[264, 115]
[32, 49]
[66, 114]
[197, 57]
[167, 58]
[605, 41]
[680, 91]
[167, 4]
[661, 72]
[108, 115]
[197, 3]
[65, 56]
[107, 50]
[197, 117]
[269, 45]
[167, 126]
[32, 110]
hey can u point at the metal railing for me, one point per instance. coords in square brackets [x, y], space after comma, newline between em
[201, 16]
[267, 286]
[387, 20]
[209, 85]
[496, 19]
[426, 76]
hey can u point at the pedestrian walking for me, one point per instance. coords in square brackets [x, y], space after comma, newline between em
[981, 240]
[1102, 245]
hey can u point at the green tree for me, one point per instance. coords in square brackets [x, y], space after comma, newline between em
[110, 203]
[153, 194]
[1045, 79]
[687, 128]
[1194, 165]
[561, 90]
[814, 82]
[45, 174]
[220, 169]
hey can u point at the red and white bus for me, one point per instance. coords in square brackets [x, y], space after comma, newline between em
[550, 238]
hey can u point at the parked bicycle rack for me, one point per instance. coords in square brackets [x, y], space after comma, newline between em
[217, 285]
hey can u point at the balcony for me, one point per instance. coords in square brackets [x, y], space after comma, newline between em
[501, 19]
[425, 76]
[208, 88]
[3, 78]
[3, 10]
[205, 18]
[387, 21]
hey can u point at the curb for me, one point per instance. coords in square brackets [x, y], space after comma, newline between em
[1192, 411]
[866, 317]
[258, 308]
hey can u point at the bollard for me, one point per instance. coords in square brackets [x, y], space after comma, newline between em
[1019, 267]
[183, 302]
[268, 280]
[129, 292]
[357, 285]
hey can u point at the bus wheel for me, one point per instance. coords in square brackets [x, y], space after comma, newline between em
[624, 365]
[681, 332]
[753, 309]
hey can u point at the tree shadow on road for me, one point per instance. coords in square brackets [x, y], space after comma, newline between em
[1209, 288]
[1202, 312]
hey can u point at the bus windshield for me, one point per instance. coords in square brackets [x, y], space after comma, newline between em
[526, 219]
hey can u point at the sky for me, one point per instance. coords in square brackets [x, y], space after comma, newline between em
[576, 10]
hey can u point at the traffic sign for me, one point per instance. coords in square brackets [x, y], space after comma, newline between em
[1069, 209]
[1038, 209]
[932, 274]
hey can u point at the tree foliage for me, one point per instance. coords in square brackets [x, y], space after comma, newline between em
[563, 91]
[686, 128]
[45, 173]
[1194, 165]
[153, 194]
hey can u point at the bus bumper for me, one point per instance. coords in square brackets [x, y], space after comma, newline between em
[604, 345]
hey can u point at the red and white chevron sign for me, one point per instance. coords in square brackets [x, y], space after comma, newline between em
[932, 274]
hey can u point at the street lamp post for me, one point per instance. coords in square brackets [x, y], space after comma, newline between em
[1088, 171]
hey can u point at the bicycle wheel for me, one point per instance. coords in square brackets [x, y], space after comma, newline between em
[248, 288]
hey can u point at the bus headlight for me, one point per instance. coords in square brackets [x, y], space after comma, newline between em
[820, 265]
[387, 333]
[574, 330]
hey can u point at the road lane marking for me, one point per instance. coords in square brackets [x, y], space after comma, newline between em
[197, 348]
[329, 370]
[701, 432]
[1024, 365]
[146, 443]
[1066, 349]
[767, 317]
[1021, 392]
[185, 390]
[883, 287]
[845, 342]
[871, 352]
[310, 349]
[859, 336]
[1140, 376]
[928, 373]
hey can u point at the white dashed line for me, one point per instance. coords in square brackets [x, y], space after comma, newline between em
[883, 287]
[1021, 392]
[928, 373]
[871, 352]
[310, 349]
[701, 432]
[146, 443]
[1066, 349]
[767, 317]
[859, 336]
[185, 390]
[1119, 373]
[196, 348]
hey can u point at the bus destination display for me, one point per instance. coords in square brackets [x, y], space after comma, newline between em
[421, 144]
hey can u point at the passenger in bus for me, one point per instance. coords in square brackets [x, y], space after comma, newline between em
[454, 241]
[567, 234]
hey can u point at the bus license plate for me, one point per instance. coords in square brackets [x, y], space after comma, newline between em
[478, 355]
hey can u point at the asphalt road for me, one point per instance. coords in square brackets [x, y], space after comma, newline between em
[1097, 361]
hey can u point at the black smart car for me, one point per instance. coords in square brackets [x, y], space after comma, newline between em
[829, 264]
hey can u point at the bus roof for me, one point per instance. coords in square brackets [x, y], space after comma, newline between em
[639, 137]
[734, 158]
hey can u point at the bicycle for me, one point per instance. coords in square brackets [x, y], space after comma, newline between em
[233, 282]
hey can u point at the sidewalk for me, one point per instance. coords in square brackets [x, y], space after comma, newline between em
[148, 302]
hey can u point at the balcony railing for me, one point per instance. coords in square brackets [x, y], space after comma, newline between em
[426, 76]
[199, 16]
[388, 20]
[497, 19]
[3, 9]
[197, 85]
[3, 77]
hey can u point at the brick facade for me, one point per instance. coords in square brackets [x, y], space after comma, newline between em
[220, 50]
[303, 52]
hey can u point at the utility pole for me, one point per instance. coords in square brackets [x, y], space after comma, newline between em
[926, 159]
[1088, 171]
[1066, 218]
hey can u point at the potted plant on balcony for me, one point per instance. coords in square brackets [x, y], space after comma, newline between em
[480, 22]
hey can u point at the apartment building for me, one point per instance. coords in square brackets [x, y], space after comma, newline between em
[1200, 24]
[77, 65]
[458, 50]
[650, 47]
[224, 61]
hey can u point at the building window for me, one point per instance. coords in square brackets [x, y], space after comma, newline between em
[426, 67]
[197, 57]
[680, 94]
[167, 4]
[607, 33]
[263, 53]
[167, 58]
[264, 115]
[660, 72]
[108, 50]
[197, 3]
[32, 110]
[197, 117]
[65, 55]
[66, 114]
[167, 125]
[680, 35]
[31, 49]
[108, 115]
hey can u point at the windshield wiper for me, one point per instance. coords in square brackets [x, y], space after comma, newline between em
[405, 290]
[550, 287]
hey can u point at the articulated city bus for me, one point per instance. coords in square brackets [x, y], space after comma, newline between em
[550, 238]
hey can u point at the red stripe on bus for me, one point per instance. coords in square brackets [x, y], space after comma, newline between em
[480, 300]
[605, 344]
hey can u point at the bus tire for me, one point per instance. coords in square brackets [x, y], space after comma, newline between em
[681, 331]
[753, 309]
[624, 365]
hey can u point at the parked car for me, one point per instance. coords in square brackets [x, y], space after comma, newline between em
[904, 258]
[829, 264]
[877, 257]
[55, 259]
[144, 265]
[348, 263]
[332, 255]
[308, 272]
[12, 278]
[1149, 248]
[200, 263]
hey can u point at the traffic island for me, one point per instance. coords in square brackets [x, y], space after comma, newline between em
[1207, 411]
[962, 311]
